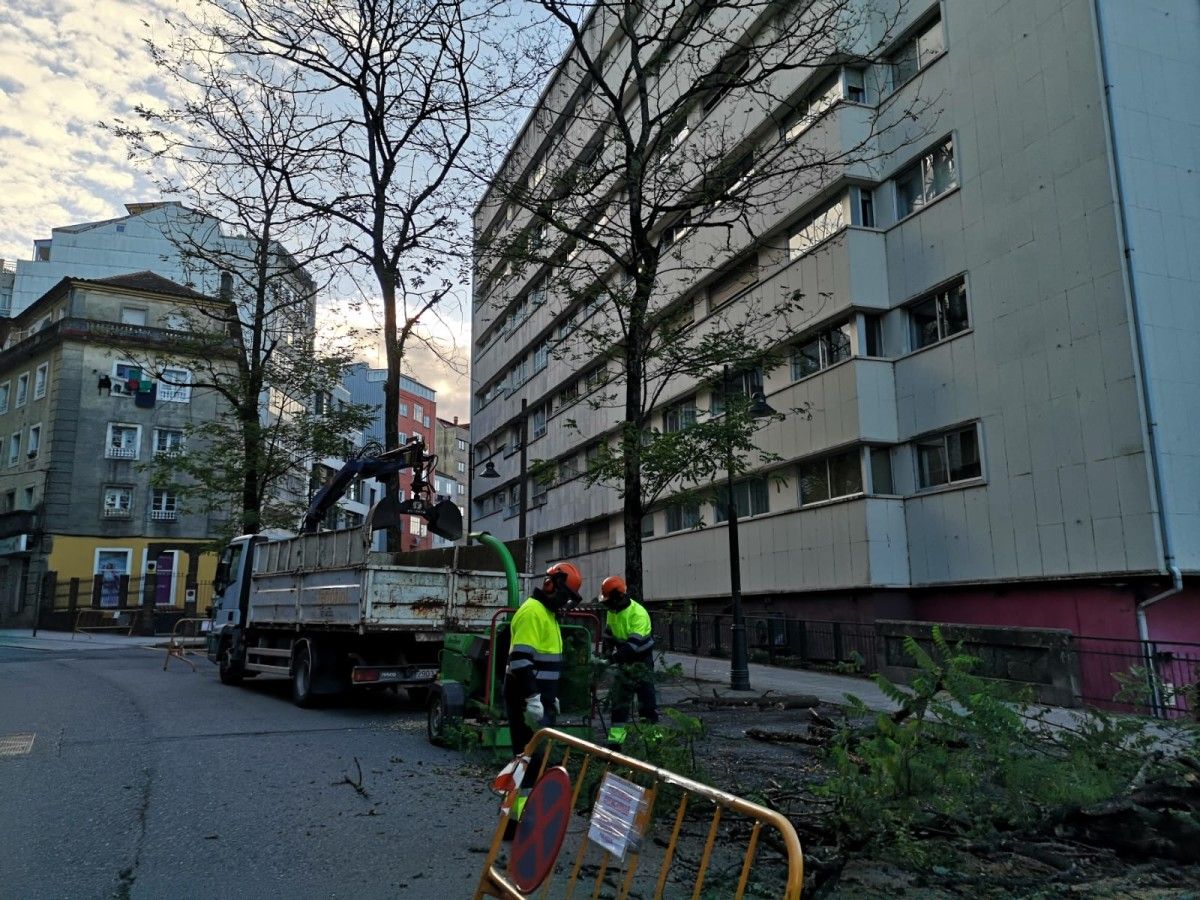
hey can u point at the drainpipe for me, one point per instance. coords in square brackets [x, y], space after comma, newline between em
[1152, 443]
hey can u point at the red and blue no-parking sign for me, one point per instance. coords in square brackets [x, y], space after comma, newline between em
[543, 826]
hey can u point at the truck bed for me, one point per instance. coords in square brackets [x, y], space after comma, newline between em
[330, 580]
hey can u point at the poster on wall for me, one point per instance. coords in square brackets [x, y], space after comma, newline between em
[110, 566]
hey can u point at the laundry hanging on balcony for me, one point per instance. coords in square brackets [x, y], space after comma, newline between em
[147, 394]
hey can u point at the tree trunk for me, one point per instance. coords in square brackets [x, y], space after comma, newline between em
[391, 393]
[251, 498]
[632, 458]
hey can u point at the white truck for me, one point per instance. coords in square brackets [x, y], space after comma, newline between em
[327, 612]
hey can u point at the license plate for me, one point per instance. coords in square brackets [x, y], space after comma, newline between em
[426, 674]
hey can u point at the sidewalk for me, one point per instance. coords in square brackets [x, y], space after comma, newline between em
[23, 639]
[825, 686]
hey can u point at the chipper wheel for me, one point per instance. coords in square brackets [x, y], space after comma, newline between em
[447, 702]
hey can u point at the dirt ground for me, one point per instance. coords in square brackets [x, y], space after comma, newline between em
[777, 773]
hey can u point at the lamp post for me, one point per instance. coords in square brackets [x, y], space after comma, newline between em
[739, 658]
[524, 510]
[489, 471]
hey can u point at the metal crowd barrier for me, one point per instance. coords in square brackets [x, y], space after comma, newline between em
[104, 620]
[193, 629]
[643, 830]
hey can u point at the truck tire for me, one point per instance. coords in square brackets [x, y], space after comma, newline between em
[230, 672]
[302, 682]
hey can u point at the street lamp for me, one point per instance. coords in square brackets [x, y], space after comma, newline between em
[739, 662]
[489, 471]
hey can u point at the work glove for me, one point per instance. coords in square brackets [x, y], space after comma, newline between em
[534, 711]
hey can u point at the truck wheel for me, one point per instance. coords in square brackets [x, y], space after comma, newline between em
[302, 692]
[229, 671]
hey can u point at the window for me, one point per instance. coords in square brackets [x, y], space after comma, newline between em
[34, 444]
[10, 502]
[864, 206]
[822, 350]
[929, 177]
[568, 468]
[682, 515]
[916, 52]
[163, 505]
[750, 497]
[810, 107]
[403, 409]
[123, 441]
[568, 544]
[40, 377]
[742, 384]
[462, 445]
[831, 477]
[855, 80]
[461, 467]
[22, 389]
[816, 228]
[568, 394]
[725, 78]
[128, 379]
[539, 489]
[168, 440]
[732, 283]
[176, 388]
[5, 390]
[881, 471]
[14, 448]
[675, 232]
[418, 411]
[679, 416]
[132, 315]
[939, 315]
[948, 458]
[27, 496]
[594, 378]
[354, 491]
[648, 524]
[118, 502]
[539, 421]
[873, 339]
[425, 421]
[541, 356]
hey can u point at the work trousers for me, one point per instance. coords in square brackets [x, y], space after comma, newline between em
[514, 707]
[634, 680]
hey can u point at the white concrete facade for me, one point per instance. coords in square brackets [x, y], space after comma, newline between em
[1046, 374]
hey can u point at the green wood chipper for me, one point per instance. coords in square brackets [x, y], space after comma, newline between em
[465, 704]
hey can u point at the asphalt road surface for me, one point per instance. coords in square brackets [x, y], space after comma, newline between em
[145, 783]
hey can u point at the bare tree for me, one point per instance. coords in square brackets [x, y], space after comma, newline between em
[228, 148]
[393, 90]
[661, 165]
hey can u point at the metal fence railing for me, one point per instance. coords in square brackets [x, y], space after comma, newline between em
[1127, 675]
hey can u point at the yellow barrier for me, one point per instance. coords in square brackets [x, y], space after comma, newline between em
[175, 646]
[116, 619]
[581, 755]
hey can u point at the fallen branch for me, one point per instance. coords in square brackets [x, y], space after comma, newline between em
[357, 785]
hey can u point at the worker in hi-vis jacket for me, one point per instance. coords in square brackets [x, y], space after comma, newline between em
[628, 632]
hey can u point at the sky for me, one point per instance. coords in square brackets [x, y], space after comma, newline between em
[69, 65]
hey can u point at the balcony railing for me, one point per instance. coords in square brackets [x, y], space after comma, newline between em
[163, 515]
[121, 452]
[116, 512]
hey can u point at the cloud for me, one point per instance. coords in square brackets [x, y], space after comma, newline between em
[71, 64]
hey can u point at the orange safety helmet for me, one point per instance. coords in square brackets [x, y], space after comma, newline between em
[571, 577]
[613, 583]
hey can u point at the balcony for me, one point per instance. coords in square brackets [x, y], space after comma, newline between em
[18, 521]
[116, 512]
[121, 453]
[163, 515]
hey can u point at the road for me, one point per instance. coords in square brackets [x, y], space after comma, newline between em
[145, 783]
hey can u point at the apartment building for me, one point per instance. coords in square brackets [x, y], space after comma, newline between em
[82, 418]
[995, 350]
